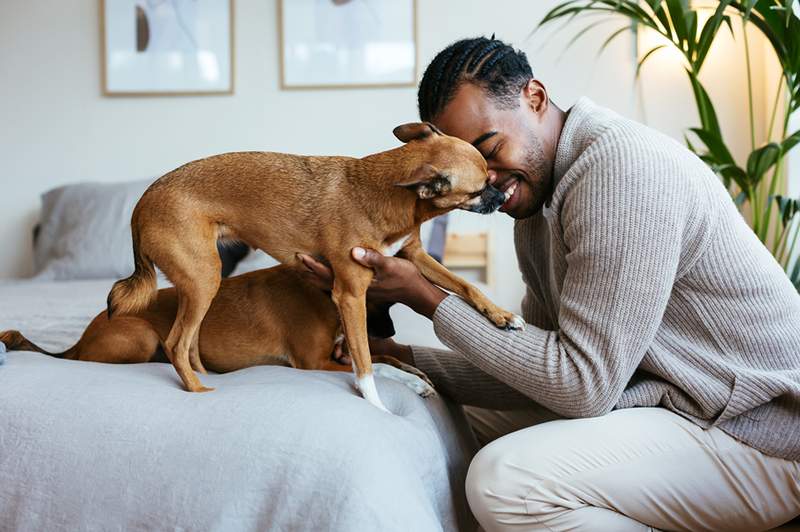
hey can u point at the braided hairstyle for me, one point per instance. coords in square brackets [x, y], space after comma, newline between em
[491, 64]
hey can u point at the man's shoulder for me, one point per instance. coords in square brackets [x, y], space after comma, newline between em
[620, 152]
[600, 129]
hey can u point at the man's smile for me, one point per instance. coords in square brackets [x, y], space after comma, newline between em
[510, 187]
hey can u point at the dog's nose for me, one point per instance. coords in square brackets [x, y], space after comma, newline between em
[493, 197]
[491, 200]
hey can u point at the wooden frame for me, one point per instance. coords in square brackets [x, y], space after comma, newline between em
[114, 94]
[470, 251]
[284, 86]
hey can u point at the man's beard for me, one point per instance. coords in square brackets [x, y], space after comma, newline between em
[539, 176]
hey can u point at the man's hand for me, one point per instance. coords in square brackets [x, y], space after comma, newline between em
[377, 347]
[396, 281]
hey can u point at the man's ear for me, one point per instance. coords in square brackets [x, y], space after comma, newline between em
[536, 96]
[415, 131]
[427, 182]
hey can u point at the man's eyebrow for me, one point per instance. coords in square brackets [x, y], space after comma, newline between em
[483, 137]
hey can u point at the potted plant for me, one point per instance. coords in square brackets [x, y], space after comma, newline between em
[755, 183]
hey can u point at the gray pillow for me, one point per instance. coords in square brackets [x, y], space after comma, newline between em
[85, 231]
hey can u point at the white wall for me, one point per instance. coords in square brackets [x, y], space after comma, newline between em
[55, 127]
[794, 160]
[794, 168]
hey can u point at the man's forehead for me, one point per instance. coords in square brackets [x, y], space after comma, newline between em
[468, 115]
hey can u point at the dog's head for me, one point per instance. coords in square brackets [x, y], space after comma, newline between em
[453, 174]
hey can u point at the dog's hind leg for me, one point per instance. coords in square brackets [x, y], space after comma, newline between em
[194, 355]
[193, 265]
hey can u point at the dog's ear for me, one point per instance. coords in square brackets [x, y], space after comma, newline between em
[415, 131]
[427, 181]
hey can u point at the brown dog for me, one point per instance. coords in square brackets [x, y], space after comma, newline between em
[262, 317]
[290, 204]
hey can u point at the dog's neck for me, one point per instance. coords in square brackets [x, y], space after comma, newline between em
[399, 209]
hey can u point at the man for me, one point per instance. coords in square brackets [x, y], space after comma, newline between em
[660, 330]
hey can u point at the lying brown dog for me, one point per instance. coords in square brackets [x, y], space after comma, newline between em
[263, 317]
[290, 204]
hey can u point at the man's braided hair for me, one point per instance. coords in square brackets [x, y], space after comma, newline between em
[490, 64]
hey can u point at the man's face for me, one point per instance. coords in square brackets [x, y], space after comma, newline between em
[511, 142]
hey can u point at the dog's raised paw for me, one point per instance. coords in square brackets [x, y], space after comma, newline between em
[516, 323]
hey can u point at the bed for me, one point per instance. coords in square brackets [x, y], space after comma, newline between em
[88, 446]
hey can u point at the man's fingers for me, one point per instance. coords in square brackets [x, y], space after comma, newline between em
[368, 257]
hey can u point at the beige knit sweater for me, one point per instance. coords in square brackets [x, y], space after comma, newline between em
[645, 287]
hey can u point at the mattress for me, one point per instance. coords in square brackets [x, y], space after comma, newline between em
[89, 446]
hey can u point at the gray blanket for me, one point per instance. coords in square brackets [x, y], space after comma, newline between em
[86, 446]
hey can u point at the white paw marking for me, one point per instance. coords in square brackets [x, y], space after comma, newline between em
[517, 323]
[393, 249]
[366, 385]
[338, 340]
[419, 386]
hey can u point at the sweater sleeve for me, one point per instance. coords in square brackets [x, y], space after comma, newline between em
[460, 380]
[623, 229]
[466, 384]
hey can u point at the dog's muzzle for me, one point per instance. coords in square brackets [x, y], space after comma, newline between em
[491, 199]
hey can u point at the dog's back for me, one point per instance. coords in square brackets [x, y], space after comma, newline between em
[261, 317]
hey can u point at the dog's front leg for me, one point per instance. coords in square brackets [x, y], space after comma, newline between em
[350, 283]
[432, 270]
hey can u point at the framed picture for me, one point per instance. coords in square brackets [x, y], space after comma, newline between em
[347, 43]
[166, 47]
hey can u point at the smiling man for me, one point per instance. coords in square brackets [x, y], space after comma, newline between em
[661, 332]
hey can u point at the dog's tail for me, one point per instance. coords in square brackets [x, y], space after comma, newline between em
[137, 291]
[15, 341]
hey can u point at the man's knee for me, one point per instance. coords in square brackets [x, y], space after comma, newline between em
[500, 490]
[521, 478]
[484, 481]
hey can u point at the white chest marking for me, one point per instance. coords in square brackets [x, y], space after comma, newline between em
[394, 248]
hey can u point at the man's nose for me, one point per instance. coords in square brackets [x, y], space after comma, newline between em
[492, 177]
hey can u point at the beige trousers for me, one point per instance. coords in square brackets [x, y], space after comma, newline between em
[634, 469]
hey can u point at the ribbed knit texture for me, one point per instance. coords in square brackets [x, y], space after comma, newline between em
[645, 287]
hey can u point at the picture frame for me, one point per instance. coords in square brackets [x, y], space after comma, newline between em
[343, 44]
[167, 47]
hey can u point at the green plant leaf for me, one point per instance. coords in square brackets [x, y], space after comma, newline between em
[691, 34]
[740, 198]
[658, 10]
[708, 117]
[646, 56]
[715, 144]
[790, 142]
[583, 32]
[795, 275]
[707, 34]
[611, 38]
[787, 208]
[761, 160]
[677, 13]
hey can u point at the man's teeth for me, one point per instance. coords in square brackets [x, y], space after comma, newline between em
[510, 190]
